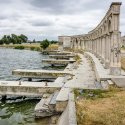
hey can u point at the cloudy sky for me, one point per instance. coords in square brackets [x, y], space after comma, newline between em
[42, 19]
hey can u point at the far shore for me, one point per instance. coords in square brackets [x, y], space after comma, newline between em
[28, 46]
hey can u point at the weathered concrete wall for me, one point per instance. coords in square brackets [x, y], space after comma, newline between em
[104, 41]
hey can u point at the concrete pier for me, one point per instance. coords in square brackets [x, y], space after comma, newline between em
[29, 88]
[61, 56]
[58, 62]
[40, 73]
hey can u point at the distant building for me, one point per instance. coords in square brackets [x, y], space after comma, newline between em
[65, 41]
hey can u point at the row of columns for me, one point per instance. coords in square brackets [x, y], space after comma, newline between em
[104, 41]
[107, 49]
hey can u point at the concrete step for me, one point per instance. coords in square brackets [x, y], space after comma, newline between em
[110, 82]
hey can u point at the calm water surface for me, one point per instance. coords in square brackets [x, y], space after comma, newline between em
[18, 112]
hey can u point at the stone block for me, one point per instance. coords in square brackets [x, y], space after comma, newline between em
[120, 82]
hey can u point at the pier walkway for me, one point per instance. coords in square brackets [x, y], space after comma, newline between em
[39, 73]
[58, 62]
[24, 88]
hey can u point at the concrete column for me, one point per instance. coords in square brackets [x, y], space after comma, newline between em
[83, 44]
[91, 45]
[99, 48]
[104, 48]
[102, 52]
[107, 48]
[100, 41]
[115, 64]
[87, 45]
[79, 44]
[94, 46]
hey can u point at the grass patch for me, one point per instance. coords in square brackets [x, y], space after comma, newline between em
[53, 47]
[77, 58]
[19, 47]
[35, 48]
[101, 107]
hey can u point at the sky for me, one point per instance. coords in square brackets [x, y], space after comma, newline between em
[41, 19]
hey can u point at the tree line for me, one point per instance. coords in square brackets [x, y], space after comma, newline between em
[14, 39]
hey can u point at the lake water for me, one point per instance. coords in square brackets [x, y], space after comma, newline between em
[19, 112]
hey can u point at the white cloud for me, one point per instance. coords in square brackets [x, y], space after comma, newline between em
[41, 19]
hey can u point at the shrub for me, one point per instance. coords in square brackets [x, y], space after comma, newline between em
[44, 44]
[32, 48]
[19, 47]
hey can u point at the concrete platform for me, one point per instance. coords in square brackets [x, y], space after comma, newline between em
[58, 62]
[40, 73]
[28, 88]
[60, 53]
[61, 56]
[84, 77]
[56, 52]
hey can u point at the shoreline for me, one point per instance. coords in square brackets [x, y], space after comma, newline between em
[28, 46]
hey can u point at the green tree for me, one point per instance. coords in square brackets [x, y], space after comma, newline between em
[44, 44]
[14, 39]
[1, 42]
[23, 38]
[5, 39]
[34, 41]
[53, 42]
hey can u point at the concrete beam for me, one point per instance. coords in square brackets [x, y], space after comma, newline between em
[28, 88]
[39, 73]
[57, 62]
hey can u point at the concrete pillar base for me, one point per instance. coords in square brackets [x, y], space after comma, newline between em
[98, 56]
[102, 60]
[107, 65]
[115, 70]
